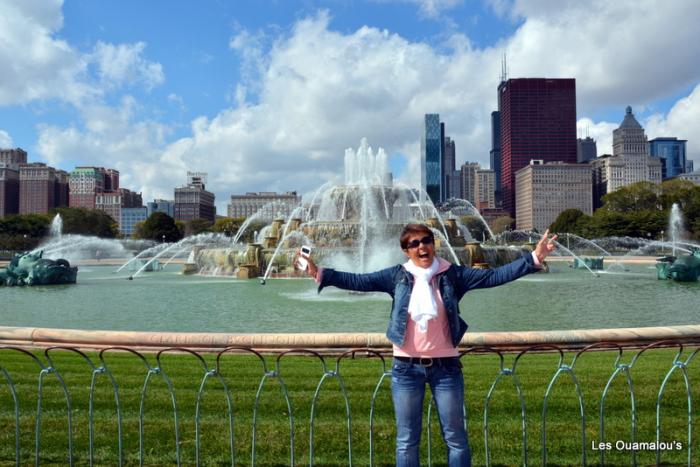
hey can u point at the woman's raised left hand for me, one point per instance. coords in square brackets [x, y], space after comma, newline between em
[545, 246]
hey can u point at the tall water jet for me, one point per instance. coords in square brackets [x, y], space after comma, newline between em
[676, 227]
[56, 229]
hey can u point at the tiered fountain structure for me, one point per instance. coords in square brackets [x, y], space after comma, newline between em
[352, 226]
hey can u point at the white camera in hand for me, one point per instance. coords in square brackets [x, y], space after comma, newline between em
[302, 263]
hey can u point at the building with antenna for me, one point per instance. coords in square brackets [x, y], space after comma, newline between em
[193, 201]
[537, 122]
[495, 155]
[586, 150]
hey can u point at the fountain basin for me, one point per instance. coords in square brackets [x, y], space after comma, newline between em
[168, 301]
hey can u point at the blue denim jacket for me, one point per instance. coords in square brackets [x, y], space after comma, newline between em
[453, 284]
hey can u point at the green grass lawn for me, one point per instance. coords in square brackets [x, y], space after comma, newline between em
[301, 375]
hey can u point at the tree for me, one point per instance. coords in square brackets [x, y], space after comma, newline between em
[695, 228]
[683, 192]
[228, 225]
[180, 227]
[31, 225]
[22, 232]
[567, 221]
[687, 195]
[640, 196]
[501, 224]
[642, 209]
[92, 222]
[605, 223]
[197, 226]
[159, 227]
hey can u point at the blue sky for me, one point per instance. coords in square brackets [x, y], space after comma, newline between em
[266, 95]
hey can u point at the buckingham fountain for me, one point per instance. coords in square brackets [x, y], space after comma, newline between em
[354, 226]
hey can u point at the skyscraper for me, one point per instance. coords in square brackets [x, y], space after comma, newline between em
[586, 149]
[672, 150]
[484, 190]
[468, 173]
[451, 186]
[543, 191]
[37, 188]
[631, 145]
[193, 201]
[161, 205]
[13, 158]
[62, 189]
[495, 153]
[9, 191]
[85, 183]
[630, 162]
[431, 158]
[538, 122]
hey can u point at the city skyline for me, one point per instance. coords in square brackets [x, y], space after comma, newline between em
[268, 98]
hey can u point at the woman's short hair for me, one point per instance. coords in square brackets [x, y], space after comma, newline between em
[414, 229]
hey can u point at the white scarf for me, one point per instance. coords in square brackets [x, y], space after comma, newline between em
[422, 306]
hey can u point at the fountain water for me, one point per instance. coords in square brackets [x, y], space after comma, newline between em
[458, 207]
[676, 226]
[351, 226]
[56, 229]
[531, 238]
[80, 247]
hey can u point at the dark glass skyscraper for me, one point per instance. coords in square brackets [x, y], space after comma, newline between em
[431, 157]
[538, 121]
[672, 150]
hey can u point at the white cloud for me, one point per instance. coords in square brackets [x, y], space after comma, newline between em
[601, 132]
[682, 121]
[124, 64]
[434, 8]
[5, 139]
[251, 47]
[318, 91]
[502, 8]
[39, 66]
[177, 101]
[620, 53]
[112, 138]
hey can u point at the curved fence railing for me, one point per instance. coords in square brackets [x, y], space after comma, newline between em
[583, 397]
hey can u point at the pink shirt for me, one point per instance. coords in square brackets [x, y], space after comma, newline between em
[436, 342]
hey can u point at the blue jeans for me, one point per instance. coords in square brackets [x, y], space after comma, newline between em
[408, 390]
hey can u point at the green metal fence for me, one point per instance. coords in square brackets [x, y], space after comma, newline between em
[324, 368]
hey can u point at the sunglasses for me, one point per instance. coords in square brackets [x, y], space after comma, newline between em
[427, 240]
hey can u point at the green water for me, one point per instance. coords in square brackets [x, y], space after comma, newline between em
[168, 301]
